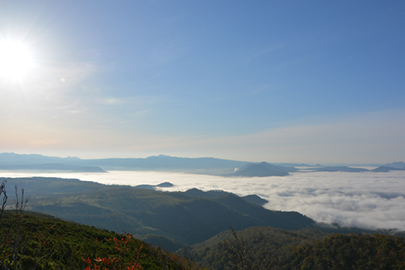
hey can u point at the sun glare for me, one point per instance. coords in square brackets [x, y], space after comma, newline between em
[15, 60]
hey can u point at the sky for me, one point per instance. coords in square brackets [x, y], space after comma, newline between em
[276, 81]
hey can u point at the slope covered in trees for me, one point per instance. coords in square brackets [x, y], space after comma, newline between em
[270, 248]
[179, 216]
[349, 252]
[255, 247]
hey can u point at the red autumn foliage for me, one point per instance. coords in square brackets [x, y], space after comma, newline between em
[117, 261]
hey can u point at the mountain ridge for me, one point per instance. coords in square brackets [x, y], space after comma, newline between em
[190, 219]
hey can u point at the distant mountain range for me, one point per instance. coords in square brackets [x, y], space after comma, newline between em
[12, 161]
[339, 169]
[213, 166]
[383, 168]
[57, 167]
[34, 162]
[207, 165]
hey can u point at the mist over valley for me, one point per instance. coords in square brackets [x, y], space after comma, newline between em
[367, 199]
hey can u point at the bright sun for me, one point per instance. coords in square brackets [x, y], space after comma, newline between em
[15, 60]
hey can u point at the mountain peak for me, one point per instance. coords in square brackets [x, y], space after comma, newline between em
[397, 165]
[262, 169]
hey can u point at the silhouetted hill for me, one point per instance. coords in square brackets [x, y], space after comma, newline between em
[387, 169]
[153, 187]
[262, 170]
[255, 199]
[397, 165]
[205, 194]
[216, 193]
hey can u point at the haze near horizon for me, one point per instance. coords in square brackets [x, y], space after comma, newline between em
[276, 81]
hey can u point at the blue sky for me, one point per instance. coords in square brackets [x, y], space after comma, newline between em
[280, 81]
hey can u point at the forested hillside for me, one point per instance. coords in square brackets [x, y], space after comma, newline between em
[181, 217]
[355, 251]
[269, 248]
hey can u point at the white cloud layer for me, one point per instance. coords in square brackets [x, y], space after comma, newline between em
[367, 200]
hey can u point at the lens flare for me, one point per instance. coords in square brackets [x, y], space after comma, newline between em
[15, 60]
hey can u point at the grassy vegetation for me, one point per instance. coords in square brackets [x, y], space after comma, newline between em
[36, 241]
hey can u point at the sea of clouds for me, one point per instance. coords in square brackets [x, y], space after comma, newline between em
[367, 199]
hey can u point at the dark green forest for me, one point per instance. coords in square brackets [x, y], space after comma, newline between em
[269, 248]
